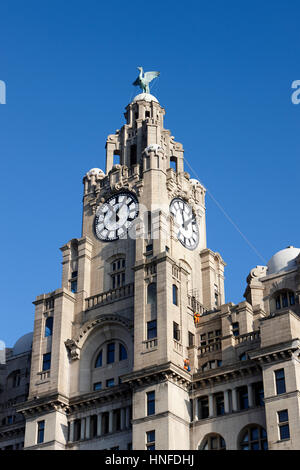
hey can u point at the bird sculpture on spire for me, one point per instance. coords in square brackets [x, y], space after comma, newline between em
[144, 79]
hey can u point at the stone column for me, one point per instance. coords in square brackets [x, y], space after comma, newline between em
[250, 396]
[123, 419]
[72, 422]
[111, 420]
[88, 427]
[234, 400]
[226, 401]
[211, 405]
[82, 434]
[99, 424]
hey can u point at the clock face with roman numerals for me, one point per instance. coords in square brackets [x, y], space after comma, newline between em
[185, 223]
[115, 216]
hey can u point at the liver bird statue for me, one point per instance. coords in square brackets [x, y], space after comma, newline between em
[144, 79]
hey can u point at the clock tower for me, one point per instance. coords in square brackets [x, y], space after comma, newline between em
[122, 349]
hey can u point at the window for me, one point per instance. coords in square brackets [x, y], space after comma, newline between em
[220, 404]
[213, 442]
[147, 114]
[176, 331]
[118, 273]
[77, 429]
[105, 422]
[150, 440]
[150, 403]
[93, 426]
[254, 438]
[175, 294]
[10, 419]
[258, 390]
[283, 424]
[243, 357]
[46, 361]
[284, 299]
[98, 362]
[110, 382]
[235, 329]
[97, 386]
[133, 155]
[191, 339]
[122, 352]
[203, 408]
[73, 282]
[151, 329]
[151, 293]
[110, 353]
[49, 327]
[40, 431]
[280, 381]
[16, 376]
[203, 339]
[117, 419]
[243, 397]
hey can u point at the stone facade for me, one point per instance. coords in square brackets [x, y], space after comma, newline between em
[141, 349]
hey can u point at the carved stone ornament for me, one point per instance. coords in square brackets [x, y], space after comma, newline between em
[73, 349]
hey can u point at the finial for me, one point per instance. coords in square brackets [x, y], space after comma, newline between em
[144, 79]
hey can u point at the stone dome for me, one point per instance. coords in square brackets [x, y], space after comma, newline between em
[23, 344]
[283, 260]
[95, 171]
[144, 97]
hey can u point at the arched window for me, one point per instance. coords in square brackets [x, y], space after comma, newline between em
[253, 437]
[49, 326]
[284, 299]
[151, 293]
[213, 442]
[175, 294]
[98, 362]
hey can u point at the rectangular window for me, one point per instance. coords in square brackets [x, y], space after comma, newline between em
[203, 408]
[191, 339]
[175, 294]
[97, 386]
[48, 327]
[150, 440]
[117, 419]
[74, 286]
[176, 331]
[235, 329]
[292, 298]
[283, 424]
[220, 404]
[46, 361]
[280, 381]
[258, 389]
[110, 382]
[151, 329]
[243, 397]
[40, 431]
[150, 403]
[110, 353]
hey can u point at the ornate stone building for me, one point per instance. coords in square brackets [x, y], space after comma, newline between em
[137, 349]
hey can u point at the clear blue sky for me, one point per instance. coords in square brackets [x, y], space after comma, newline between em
[226, 73]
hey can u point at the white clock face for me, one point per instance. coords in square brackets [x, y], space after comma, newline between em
[185, 221]
[115, 216]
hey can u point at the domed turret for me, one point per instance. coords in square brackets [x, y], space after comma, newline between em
[23, 344]
[283, 260]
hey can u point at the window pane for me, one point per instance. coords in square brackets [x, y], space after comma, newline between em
[254, 434]
[110, 382]
[122, 353]
[284, 431]
[292, 298]
[98, 362]
[150, 436]
[49, 326]
[150, 403]
[175, 300]
[110, 353]
[46, 361]
[283, 416]
[151, 329]
[98, 386]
